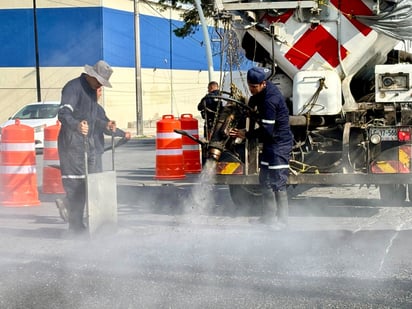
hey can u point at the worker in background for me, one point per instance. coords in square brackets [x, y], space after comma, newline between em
[78, 117]
[275, 134]
[99, 132]
[208, 106]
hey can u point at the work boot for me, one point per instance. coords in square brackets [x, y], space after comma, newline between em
[76, 224]
[283, 207]
[61, 205]
[77, 227]
[268, 216]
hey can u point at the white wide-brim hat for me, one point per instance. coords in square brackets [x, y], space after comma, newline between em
[101, 71]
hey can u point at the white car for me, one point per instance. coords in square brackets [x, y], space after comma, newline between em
[38, 116]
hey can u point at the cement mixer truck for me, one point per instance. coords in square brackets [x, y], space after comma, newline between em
[349, 93]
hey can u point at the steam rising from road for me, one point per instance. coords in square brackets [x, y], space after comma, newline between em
[202, 202]
[344, 249]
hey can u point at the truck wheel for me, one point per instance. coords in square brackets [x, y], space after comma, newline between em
[247, 199]
[392, 194]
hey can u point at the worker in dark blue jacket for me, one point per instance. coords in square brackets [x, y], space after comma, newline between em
[78, 117]
[272, 117]
[208, 107]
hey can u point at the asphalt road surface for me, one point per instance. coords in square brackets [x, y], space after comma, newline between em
[182, 247]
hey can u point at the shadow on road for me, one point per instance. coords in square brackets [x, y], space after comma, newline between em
[171, 200]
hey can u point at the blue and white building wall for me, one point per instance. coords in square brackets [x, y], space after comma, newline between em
[72, 33]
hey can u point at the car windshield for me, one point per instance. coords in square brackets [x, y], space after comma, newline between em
[37, 111]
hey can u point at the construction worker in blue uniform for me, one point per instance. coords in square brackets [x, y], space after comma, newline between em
[272, 117]
[208, 106]
[78, 117]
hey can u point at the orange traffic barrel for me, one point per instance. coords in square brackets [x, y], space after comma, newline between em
[52, 181]
[169, 152]
[191, 149]
[18, 179]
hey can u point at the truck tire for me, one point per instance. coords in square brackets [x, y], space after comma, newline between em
[392, 194]
[247, 199]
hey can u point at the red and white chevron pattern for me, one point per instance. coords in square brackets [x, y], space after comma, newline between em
[312, 46]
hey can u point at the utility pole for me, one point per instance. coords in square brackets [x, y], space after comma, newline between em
[36, 51]
[139, 105]
[171, 60]
[206, 38]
